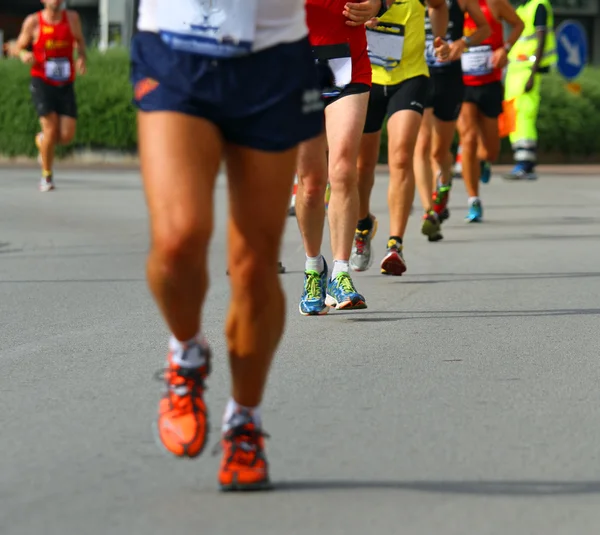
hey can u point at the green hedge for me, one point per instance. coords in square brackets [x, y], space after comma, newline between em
[568, 124]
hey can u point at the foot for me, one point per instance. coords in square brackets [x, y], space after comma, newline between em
[312, 302]
[431, 226]
[440, 201]
[361, 257]
[393, 262]
[342, 294]
[520, 172]
[182, 415]
[46, 184]
[475, 214]
[244, 465]
[485, 172]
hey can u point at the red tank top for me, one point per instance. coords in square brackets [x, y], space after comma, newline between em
[327, 26]
[476, 68]
[53, 52]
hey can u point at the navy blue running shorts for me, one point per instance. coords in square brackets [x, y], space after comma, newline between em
[269, 100]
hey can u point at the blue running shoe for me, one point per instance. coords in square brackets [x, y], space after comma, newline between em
[475, 214]
[342, 294]
[486, 172]
[520, 172]
[312, 302]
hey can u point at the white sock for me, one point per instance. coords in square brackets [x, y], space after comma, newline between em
[472, 200]
[233, 407]
[339, 266]
[190, 354]
[315, 263]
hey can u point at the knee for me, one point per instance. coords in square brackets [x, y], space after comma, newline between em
[343, 175]
[180, 244]
[51, 132]
[401, 160]
[469, 140]
[313, 189]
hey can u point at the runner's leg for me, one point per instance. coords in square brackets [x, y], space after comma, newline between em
[423, 160]
[66, 129]
[260, 185]
[403, 130]
[345, 120]
[47, 141]
[468, 127]
[367, 163]
[181, 218]
[312, 182]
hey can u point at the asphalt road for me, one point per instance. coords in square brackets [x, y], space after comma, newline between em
[464, 400]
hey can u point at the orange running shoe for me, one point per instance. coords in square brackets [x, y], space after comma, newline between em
[244, 465]
[182, 415]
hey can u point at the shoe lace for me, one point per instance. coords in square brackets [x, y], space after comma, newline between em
[345, 283]
[312, 285]
[244, 444]
[185, 383]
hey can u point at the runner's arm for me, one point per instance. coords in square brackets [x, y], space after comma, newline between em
[25, 37]
[75, 23]
[504, 11]
[439, 16]
[541, 31]
[483, 28]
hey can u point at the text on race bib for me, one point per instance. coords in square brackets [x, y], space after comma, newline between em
[215, 28]
[58, 69]
[386, 45]
[477, 60]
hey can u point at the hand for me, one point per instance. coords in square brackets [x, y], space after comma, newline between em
[456, 50]
[80, 66]
[499, 59]
[372, 23]
[26, 56]
[441, 48]
[361, 12]
[530, 83]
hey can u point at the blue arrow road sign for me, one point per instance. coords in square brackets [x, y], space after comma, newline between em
[572, 48]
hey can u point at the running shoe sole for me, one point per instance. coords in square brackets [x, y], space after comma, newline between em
[359, 304]
[324, 311]
[247, 487]
[393, 264]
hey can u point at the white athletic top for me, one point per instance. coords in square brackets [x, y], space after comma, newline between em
[277, 21]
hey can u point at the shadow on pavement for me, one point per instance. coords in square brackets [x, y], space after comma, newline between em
[477, 277]
[484, 488]
[450, 314]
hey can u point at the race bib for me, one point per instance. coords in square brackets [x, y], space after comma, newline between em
[338, 61]
[477, 60]
[430, 57]
[215, 28]
[58, 69]
[386, 45]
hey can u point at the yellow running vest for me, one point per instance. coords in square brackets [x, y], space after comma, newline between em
[526, 47]
[397, 44]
